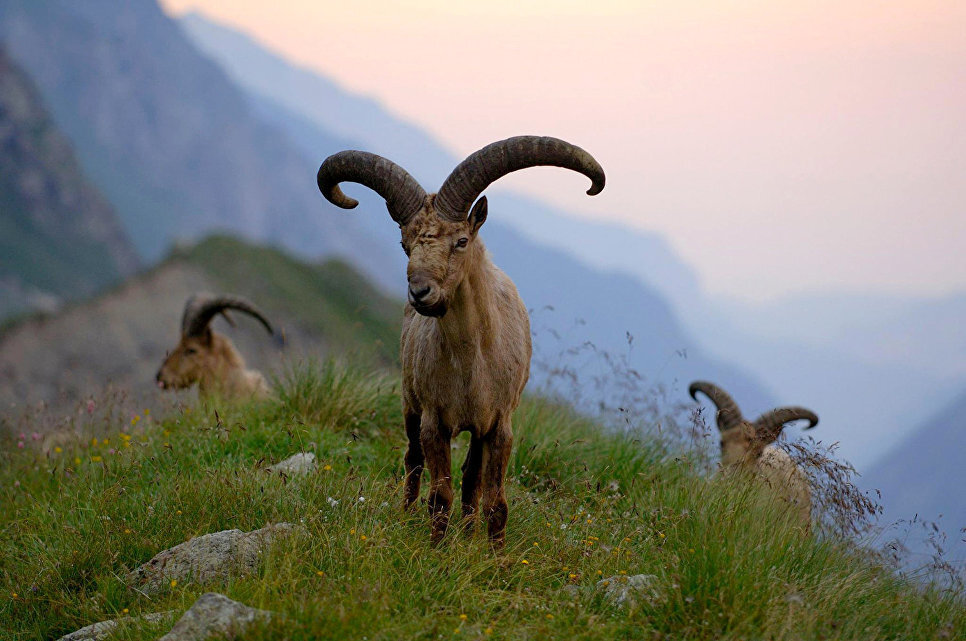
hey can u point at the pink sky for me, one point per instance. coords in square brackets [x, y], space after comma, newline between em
[780, 146]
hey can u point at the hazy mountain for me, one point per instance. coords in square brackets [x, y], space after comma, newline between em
[59, 238]
[121, 336]
[166, 136]
[923, 475]
[289, 95]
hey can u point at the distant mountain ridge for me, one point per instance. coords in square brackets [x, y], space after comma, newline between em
[923, 475]
[59, 237]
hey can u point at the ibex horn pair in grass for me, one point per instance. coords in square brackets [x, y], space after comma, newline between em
[465, 345]
[749, 445]
[205, 357]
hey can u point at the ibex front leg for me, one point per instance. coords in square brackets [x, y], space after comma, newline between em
[414, 458]
[435, 439]
[496, 457]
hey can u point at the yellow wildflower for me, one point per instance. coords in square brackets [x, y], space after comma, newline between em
[94, 441]
[462, 617]
[174, 582]
[320, 573]
[76, 460]
[572, 575]
[327, 467]
[107, 441]
[352, 531]
[125, 611]
[58, 450]
[127, 530]
[363, 537]
[488, 631]
[525, 562]
[549, 616]
[96, 459]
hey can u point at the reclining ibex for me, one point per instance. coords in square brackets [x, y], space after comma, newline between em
[748, 445]
[208, 358]
[465, 346]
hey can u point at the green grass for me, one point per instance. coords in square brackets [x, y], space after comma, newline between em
[584, 504]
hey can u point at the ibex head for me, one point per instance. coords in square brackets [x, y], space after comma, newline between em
[201, 354]
[439, 231]
[742, 442]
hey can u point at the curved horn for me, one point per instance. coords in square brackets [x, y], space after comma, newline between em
[773, 421]
[403, 195]
[728, 415]
[201, 308]
[496, 160]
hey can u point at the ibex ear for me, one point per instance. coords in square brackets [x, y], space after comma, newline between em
[477, 215]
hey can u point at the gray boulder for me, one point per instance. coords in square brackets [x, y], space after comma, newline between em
[206, 558]
[629, 591]
[214, 615]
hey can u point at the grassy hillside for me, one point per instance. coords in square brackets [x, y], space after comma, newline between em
[330, 298]
[120, 337]
[584, 504]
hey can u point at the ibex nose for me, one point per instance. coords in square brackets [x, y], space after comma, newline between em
[418, 290]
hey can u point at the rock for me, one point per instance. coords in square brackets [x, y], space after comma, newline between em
[102, 630]
[206, 558]
[214, 615]
[296, 465]
[623, 590]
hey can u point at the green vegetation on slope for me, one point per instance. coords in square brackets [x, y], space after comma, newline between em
[331, 298]
[584, 504]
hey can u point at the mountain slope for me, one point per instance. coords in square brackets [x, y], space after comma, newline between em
[122, 336]
[923, 475]
[161, 130]
[58, 236]
[716, 559]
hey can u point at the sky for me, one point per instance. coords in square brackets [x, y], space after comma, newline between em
[781, 147]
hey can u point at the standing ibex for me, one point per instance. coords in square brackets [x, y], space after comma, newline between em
[206, 357]
[465, 344]
[748, 445]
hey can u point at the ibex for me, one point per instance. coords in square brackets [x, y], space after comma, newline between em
[465, 345]
[748, 445]
[208, 358]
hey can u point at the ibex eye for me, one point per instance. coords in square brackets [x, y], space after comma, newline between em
[462, 242]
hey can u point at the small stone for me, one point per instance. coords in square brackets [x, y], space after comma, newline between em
[104, 629]
[623, 590]
[296, 465]
[214, 615]
[206, 558]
